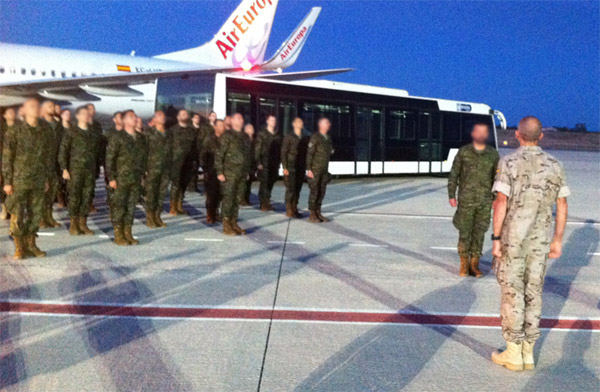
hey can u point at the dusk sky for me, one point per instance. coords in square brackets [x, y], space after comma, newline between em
[538, 58]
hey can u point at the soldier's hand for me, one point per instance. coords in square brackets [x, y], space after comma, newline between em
[497, 249]
[555, 249]
[310, 174]
[113, 184]
[221, 177]
[8, 189]
[46, 186]
[453, 203]
[259, 167]
[286, 172]
[66, 175]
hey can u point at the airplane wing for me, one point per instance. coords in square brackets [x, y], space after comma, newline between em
[291, 76]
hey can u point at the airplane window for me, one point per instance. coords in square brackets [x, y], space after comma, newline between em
[13, 70]
[23, 71]
[1, 69]
[53, 74]
[43, 73]
[63, 74]
[33, 71]
[73, 74]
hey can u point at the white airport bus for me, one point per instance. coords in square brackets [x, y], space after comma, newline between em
[375, 130]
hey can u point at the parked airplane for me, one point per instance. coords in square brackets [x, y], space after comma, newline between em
[115, 82]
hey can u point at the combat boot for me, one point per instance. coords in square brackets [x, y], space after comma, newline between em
[119, 238]
[321, 217]
[244, 203]
[19, 248]
[172, 208]
[83, 227]
[51, 221]
[210, 217]
[475, 267]
[528, 360]
[289, 211]
[74, 226]
[43, 224]
[128, 236]
[464, 266]
[151, 220]
[511, 358]
[32, 247]
[3, 212]
[313, 217]
[93, 209]
[236, 227]
[264, 207]
[227, 229]
[158, 219]
[179, 208]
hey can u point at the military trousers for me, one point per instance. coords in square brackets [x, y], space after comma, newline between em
[26, 205]
[472, 221]
[268, 177]
[232, 190]
[155, 187]
[318, 187]
[182, 172]
[248, 188]
[50, 195]
[521, 282]
[124, 200]
[212, 190]
[293, 186]
[81, 192]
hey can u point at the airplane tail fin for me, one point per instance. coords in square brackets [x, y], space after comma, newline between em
[288, 52]
[240, 43]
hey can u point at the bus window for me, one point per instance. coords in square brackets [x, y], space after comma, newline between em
[402, 125]
[452, 128]
[240, 103]
[266, 107]
[287, 113]
[341, 127]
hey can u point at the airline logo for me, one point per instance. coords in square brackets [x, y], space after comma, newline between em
[240, 25]
[123, 68]
[288, 50]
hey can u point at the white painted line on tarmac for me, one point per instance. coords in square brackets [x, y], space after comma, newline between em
[41, 233]
[368, 245]
[443, 247]
[103, 236]
[204, 239]
[594, 254]
[287, 242]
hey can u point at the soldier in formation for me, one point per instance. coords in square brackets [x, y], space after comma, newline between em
[249, 133]
[48, 111]
[211, 182]
[320, 149]
[528, 184]
[10, 120]
[184, 141]
[473, 174]
[293, 160]
[160, 150]
[267, 154]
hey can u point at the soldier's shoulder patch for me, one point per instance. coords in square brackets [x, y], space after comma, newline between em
[310, 144]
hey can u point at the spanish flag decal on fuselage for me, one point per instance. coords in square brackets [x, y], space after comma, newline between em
[123, 68]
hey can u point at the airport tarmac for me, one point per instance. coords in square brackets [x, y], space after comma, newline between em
[370, 301]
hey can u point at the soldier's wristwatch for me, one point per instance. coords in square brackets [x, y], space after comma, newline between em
[496, 238]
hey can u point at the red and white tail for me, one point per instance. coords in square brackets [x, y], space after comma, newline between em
[240, 43]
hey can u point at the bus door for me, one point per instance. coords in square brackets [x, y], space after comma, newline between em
[369, 140]
[429, 143]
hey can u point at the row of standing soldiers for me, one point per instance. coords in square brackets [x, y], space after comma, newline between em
[47, 158]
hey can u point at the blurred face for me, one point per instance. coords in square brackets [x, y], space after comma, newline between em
[66, 115]
[10, 115]
[21, 112]
[324, 126]
[83, 116]
[91, 110]
[212, 117]
[160, 118]
[48, 108]
[249, 130]
[227, 122]
[219, 128]
[196, 120]
[271, 121]
[480, 134]
[183, 117]
[31, 109]
[57, 110]
[237, 122]
[139, 123]
[129, 120]
[298, 124]
[118, 120]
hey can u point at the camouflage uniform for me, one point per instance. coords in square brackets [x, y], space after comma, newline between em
[184, 146]
[3, 130]
[473, 173]
[106, 140]
[160, 149]
[320, 149]
[96, 127]
[27, 159]
[293, 159]
[252, 172]
[57, 132]
[126, 163]
[233, 161]
[211, 182]
[79, 153]
[267, 152]
[533, 181]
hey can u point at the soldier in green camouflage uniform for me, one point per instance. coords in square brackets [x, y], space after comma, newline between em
[10, 118]
[96, 127]
[267, 154]
[211, 182]
[160, 149]
[293, 160]
[184, 143]
[126, 158]
[320, 149]
[473, 173]
[79, 152]
[232, 163]
[26, 159]
[48, 112]
[528, 184]
[249, 133]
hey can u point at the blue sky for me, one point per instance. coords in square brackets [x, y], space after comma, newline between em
[540, 58]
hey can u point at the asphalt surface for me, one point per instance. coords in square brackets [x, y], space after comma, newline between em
[370, 301]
